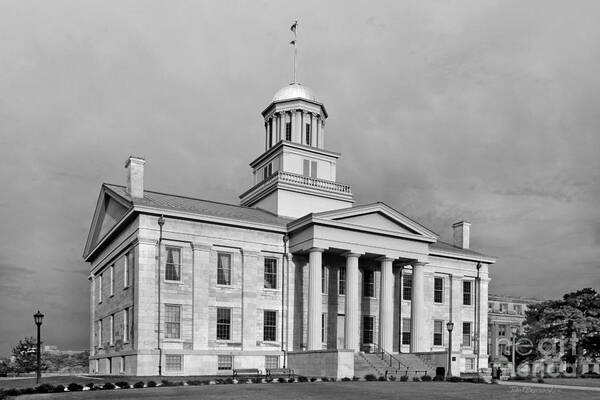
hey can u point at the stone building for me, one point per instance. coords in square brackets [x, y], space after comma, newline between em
[296, 275]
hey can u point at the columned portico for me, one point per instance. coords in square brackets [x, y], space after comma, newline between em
[386, 305]
[352, 303]
[418, 339]
[314, 299]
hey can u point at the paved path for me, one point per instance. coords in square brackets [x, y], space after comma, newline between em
[549, 386]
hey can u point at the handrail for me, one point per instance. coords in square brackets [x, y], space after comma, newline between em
[390, 357]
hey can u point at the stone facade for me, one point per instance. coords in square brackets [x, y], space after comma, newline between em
[202, 288]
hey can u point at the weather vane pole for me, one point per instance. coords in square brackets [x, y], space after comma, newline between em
[294, 29]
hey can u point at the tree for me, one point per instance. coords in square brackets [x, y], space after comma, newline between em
[25, 355]
[573, 323]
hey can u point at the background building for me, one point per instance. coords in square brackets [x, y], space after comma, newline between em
[297, 275]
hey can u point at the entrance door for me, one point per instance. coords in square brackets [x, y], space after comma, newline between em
[340, 331]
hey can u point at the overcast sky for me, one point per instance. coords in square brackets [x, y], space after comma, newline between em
[480, 110]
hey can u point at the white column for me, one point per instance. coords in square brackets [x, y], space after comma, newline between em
[313, 122]
[352, 303]
[266, 135]
[281, 133]
[322, 135]
[297, 132]
[386, 305]
[314, 299]
[418, 340]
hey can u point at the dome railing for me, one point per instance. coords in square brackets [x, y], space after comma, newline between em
[301, 180]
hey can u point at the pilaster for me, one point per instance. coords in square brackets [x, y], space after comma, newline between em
[314, 299]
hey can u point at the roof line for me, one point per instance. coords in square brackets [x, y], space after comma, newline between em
[199, 199]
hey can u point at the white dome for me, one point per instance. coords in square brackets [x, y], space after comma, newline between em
[295, 91]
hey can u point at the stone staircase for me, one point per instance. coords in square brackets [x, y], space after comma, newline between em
[371, 363]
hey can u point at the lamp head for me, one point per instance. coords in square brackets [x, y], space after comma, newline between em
[450, 326]
[38, 317]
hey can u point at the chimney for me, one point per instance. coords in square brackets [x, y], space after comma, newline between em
[135, 176]
[462, 234]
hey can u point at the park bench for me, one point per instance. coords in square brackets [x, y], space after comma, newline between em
[246, 373]
[279, 372]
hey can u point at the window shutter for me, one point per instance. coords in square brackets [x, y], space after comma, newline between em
[313, 169]
[306, 168]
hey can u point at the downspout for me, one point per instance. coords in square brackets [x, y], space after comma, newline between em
[284, 288]
[161, 222]
[477, 316]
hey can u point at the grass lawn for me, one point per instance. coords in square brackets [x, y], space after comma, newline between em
[332, 391]
[573, 382]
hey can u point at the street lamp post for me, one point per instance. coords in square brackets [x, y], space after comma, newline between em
[449, 326]
[514, 334]
[38, 317]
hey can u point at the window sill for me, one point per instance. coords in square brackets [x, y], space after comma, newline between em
[223, 286]
[272, 290]
[172, 340]
[173, 282]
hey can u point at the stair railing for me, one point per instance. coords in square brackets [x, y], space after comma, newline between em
[389, 358]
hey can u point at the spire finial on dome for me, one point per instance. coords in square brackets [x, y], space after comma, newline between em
[294, 29]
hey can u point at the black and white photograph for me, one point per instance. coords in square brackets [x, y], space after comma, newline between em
[328, 200]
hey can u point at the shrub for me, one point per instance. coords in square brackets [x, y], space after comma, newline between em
[381, 379]
[123, 385]
[370, 377]
[28, 390]
[58, 389]
[151, 384]
[12, 392]
[302, 379]
[256, 380]
[404, 378]
[219, 381]
[44, 388]
[313, 379]
[166, 382]
[355, 378]
[324, 379]
[540, 380]
[91, 386]
[438, 378]
[138, 385]
[75, 387]
[416, 379]
[108, 386]
[392, 378]
[228, 381]
[346, 379]
[453, 379]
[426, 378]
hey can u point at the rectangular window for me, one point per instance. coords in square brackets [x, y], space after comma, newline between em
[99, 333]
[224, 362]
[270, 273]
[519, 309]
[271, 126]
[467, 293]
[100, 288]
[111, 274]
[324, 328]
[342, 280]
[438, 290]
[223, 269]
[122, 367]
[307, 133]
[109, 365]
[503, 307]
[270, 326]
[438, 333]
[173, 267]
[111, 324]
[501, 330]
[405, 330]
[367, 332]
[306, 167]
[271, 362]
[223, 324]
[324, 279]
[490, 307]
[288, 131]
[368, 283]
[313, 169]
[173, 362]
[126, 271]
[406, 286]
[126, 325]
[469, 364]
[172, 321]
[466, 332]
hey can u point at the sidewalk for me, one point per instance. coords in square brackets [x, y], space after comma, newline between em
[548, 386]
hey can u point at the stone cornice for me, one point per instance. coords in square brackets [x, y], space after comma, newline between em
[284, 143]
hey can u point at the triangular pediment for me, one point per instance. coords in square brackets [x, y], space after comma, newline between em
[110, 209]
[377, 217]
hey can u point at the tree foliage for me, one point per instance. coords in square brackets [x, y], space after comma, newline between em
[25, 356]
[569, 327]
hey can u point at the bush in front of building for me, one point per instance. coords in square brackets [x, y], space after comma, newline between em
[44, 388]
[370, 378]
[346, 379]
[138, 385]
[355, 379]
[382, 379]
[108, 386]
[392, 378]
[426, 378]
[151, 384]
[302, 378]
[74, 387]
[58, 389]
[313, 379]
[12, 392]
[404, 378]
[123, 384]
[416, 379]
[454, 379]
